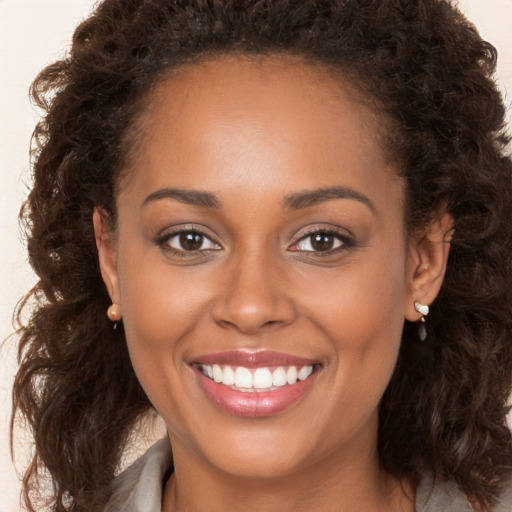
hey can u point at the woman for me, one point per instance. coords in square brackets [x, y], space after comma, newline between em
[284, 226]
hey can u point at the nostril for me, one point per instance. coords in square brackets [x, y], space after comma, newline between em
[253, 299]
[253, 319]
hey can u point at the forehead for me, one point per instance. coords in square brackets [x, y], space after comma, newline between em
[224, 122]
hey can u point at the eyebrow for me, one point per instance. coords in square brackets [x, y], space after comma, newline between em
[309, 198]
[297, 201]
[192, 197]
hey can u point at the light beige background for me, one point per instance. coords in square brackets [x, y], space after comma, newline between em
[33, 33]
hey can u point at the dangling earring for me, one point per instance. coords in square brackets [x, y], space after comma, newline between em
[114, 313]
[423, 310]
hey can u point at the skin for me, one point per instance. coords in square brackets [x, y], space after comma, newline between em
[260, 132]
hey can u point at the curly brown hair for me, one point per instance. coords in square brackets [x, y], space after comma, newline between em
[426, 70]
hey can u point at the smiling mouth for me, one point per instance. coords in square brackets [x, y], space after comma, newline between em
[262, 379]
[257, 384]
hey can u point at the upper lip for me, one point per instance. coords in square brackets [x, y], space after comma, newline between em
[254, 359]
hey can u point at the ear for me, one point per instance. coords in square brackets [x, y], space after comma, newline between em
[106, 246]
[426, 266]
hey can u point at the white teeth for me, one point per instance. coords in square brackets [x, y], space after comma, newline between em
[217, 373]
[279, 377]
[304, 372]
[257, 379]
[262, 378]
[291, 375]
[243, 377]
[228, 376]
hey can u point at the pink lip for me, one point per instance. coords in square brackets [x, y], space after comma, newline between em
[253, 404]
[254, 359]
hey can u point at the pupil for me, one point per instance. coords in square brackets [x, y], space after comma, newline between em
[322, 242]
[191, 241]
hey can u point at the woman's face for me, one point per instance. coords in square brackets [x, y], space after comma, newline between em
[260, 236]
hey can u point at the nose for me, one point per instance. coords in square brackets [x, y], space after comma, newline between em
[255, 297]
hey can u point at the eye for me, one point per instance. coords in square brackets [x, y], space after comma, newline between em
[188, 241]
[321, 241]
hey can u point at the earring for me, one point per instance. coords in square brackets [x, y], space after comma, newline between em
[114, 312]
[423, 310]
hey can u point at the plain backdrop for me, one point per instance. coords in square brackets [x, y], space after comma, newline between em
[33, 33]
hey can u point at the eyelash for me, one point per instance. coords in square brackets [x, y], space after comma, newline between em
[346, 242]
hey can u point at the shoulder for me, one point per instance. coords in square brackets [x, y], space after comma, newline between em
[504, 504]
[435, 496]
[139, 488]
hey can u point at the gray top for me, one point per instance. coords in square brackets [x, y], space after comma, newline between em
[139, 488]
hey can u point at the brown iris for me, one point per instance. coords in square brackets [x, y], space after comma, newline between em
[322, 241]
[191, 241]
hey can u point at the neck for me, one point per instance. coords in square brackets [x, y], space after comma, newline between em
[330, 486]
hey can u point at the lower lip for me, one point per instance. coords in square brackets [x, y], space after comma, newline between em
[254, 404]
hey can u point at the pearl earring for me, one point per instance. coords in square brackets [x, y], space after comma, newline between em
[423, 310]
[114, 312]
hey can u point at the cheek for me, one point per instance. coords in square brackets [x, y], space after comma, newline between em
[160, 307]
[361, 303]
[362, 313]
